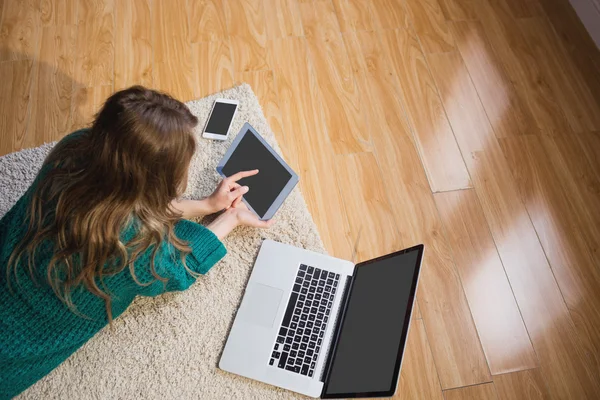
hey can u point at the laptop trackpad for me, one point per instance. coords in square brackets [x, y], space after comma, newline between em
[260, 304]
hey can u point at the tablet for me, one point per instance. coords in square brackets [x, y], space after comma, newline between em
[275, 179]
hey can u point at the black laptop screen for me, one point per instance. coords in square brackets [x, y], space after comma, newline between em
[373, 331]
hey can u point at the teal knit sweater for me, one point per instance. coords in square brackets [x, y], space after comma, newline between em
[38, 331]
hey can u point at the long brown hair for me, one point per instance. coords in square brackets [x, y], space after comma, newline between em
[127, 168]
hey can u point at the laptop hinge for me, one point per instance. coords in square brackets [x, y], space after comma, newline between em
[337, 325]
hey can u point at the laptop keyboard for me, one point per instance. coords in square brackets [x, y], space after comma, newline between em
[308, 311]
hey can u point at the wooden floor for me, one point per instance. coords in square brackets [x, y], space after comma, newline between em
[472, 126]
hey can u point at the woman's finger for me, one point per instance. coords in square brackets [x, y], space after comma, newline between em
[236, 202]
[239, 192]
[241, 205]
[242, 174]
[233, 186]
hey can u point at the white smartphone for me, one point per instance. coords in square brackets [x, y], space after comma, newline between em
[220, 119]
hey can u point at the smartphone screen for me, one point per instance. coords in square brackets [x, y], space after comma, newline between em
[220, 119]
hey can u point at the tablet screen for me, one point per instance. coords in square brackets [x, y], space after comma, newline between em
[268, 183]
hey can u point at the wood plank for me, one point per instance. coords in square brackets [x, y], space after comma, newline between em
[418, 377]
[207, 21]
[58, 12]
[213, 67]
[561, 224]
[389, 14]
[507, 112]
[543, 310]
[430, 25]
[579, 178]
[477, 392]
[576, 40]
[172, 71]
[367, 206]
[522, 67]
[465, 112]
[339, 97]
[524, 8]
[475, 134]
[575, 98]
[502, 333]
[354, 15]
[437, 146]
[320, 21]
[86, 103]
[379, 88]
[458, 10]
[282, 18]
[52, 86]
[453, 338]
[524, 385]
[19, 30]
[307, 148]
[94, 65]
[133, 44]
[590, 144]
[263, 85]
[15, 87]
[170, 17]
[247, 29]
[499, 199]
[416, 311]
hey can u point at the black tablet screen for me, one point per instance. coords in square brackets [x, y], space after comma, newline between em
[373, 330]
[268, 183]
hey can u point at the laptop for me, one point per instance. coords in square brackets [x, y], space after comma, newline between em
[322, 326]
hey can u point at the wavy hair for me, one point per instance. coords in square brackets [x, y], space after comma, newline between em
[125, 169]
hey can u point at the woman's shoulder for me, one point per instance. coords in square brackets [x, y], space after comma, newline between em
[48, 164]
[64, 149]
[74, 135]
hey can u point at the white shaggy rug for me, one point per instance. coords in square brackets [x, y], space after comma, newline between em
[169, 347]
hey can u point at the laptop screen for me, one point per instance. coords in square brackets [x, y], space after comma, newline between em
[367, 358]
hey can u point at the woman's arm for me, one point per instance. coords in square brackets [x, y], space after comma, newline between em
[193, 208]
[206, 248]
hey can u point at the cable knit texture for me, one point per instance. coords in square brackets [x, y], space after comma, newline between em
[38, 331]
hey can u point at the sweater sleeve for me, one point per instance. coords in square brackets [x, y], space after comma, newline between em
[207, 250]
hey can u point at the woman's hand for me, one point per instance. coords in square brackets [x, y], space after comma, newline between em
[229, 191]
[227, 194]
[248, 218]
[236, 215]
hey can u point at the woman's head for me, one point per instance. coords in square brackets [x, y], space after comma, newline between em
[126, 169]
[144, 140]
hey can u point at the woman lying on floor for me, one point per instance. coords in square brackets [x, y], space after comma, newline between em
[101, 225]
